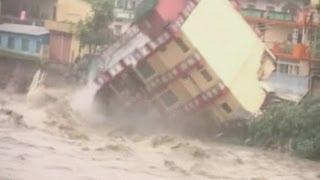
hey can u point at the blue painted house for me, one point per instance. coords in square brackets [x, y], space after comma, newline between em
[24, 42]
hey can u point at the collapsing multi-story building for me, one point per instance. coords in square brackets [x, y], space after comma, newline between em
[289, 29]
[180, 62]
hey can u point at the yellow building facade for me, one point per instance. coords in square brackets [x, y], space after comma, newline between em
[65, 45]
[229, 62]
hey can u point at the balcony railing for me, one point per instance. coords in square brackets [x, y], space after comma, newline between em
[280, 16]
[160, 82]
[291, 51]
[252, 12]
[141, 53]
[271, 15]
[132, 58]
[15, 20]
[203, 99]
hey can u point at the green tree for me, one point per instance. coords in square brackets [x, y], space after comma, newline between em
[94, 32]
[289, 125]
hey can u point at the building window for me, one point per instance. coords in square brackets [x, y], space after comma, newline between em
[296, 70]
[169, 98]
[38, 46]
[10, 44]
[292, 69]
[226, 108]
[182, 45]
[206, 75]
[284, 68]
[45, 40]
[25, 44]
[146, 70]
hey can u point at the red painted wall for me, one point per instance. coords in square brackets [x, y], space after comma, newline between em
[163, 13]
[169, 10]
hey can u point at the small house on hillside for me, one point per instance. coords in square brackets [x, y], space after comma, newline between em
[24, 42]
[22, 49]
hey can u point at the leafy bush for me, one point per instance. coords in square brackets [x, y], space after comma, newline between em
[296, 127]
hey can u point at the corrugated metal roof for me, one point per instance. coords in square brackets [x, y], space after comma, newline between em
[24, 29]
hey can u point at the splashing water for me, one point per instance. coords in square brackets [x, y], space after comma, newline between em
[83, 100]
[37, 80]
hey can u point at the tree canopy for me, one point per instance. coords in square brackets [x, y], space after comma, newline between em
[93, 32]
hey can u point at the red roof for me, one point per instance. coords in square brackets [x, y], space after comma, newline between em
[165, 12]
[169, 9]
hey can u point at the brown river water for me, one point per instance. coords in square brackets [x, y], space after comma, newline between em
[53, 142]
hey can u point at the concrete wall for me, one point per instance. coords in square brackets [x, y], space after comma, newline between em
[69, 12]
[46, 8]
[220, 113]
[234, 54]
[277, 34]
[182, 94]
[72, 10]
[171, 54]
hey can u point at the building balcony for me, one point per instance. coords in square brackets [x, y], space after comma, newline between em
[294, 52]
[15, 20]
[133, 56]
[203, 99]
[160, 82]
[270, 17]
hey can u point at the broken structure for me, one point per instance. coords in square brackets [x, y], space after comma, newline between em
[180, 62]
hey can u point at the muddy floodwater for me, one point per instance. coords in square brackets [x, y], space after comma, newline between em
[51, 142]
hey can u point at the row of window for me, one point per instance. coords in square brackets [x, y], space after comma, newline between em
[169, 98]
[292, 69]
[125, 4]
[147, 71]
[25, 44]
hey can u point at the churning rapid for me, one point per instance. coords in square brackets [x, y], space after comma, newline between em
[50, 140]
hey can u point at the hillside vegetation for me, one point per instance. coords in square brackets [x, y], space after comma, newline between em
[289, 127]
